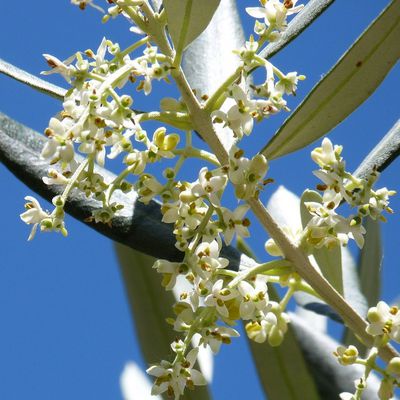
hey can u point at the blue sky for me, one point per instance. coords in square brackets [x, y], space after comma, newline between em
[66, 331]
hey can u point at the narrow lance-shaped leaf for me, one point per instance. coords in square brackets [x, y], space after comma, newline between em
[383, 154]
[151, 305]
[348, 84]
[31, 80]
[187, 19]
[370, 262]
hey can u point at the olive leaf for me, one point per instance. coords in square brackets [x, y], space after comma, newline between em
[187, 19]
[31, 80]
[348, 84]
[383, 154]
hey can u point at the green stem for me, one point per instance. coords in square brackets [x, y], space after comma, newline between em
[200, 229]
[197, 153]
[259, 269]
[116, 182]
[130, 49]
[219, 96]
[288, 295]
[176, 119]
[74, 178]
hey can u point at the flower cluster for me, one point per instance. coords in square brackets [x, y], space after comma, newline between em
[98, 122]
[274, 13]
[384, 324]
[327, 227]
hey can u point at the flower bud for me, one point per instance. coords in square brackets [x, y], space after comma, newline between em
[272, 248]
[394, 366]
[170, 142]
[126, 101]
[58, 201]
[159, 136]
[373, 315]
[275, 337]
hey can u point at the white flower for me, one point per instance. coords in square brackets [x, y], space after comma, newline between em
[235, 223]
[148, 187]
[255, 298]
[34, 215]
[209, 185]
[384, 320]
[274, 12]
[272, 326]
[346, 355]
[214, 336]
[239, 117]
[246, 174]
[55, 178]
[60, 67]
[170, 271]
[288, 83]
[327, 155]
[137, 161]
[58, 147]
[218, 297]
[173, 378]
[208, 259]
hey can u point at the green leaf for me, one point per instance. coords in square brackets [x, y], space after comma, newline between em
[370, 262]
[383, 154]
[187, 19]
[328, 260]
[348, 84]
[31, 80]
[150, 305]
[283, 370]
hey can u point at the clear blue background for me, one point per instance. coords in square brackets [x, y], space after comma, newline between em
[65, 327]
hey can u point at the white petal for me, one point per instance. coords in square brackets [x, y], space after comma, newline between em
[134, 384]
[256, 12]
[198, 378]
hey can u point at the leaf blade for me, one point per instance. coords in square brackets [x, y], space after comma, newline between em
[187, 19]
[359, 72]
[370, 262]
[383, 154]
[31, 80]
